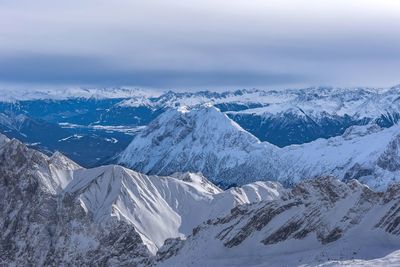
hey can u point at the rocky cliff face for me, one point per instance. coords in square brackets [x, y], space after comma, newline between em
[317, 221]
[42, 226]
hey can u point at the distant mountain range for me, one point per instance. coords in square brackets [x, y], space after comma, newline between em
[93, 126]
[292, 116]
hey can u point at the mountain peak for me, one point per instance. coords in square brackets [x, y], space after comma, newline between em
[63, 162]
[3, 139]
[197, 139]
[52, 173]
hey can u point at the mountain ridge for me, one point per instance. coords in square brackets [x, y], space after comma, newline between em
[318, 221]
[56, 212]
[206, 140]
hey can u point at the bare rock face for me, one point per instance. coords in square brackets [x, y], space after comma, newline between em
[311, 199]
[357, 172]
[390, 159]
[322, 214]
[42, 227]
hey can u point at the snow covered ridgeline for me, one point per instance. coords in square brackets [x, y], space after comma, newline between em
[314, 112]
[158, 207]
[24, 94]
[319, 222]
[54, 212]
[203, 139]
[295, 116]
[340, 101]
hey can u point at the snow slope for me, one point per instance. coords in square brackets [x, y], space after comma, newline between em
[367, 153]
[391, 260]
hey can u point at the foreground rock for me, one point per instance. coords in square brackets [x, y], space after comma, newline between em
[317, 222]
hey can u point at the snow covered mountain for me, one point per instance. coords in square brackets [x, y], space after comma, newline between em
[202, 140]
[206, 140]
[301, 116]
[368, 153]
[313, 102]
[157, 207]
[54, 212]
[319, 223]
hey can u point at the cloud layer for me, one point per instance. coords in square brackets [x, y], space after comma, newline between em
[200, 44]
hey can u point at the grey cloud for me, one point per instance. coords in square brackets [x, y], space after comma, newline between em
[200, 43]
[64, 69]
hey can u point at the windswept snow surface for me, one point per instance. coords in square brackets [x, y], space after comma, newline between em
[391, 260]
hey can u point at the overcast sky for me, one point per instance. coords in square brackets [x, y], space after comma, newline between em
[200, 44]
